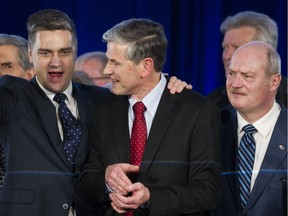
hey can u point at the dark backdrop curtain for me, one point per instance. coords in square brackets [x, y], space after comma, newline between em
[191, 26]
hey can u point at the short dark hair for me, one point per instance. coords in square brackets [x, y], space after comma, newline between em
[50, 20]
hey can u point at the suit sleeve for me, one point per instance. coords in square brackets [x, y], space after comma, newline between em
[201, 191]
[91, 182]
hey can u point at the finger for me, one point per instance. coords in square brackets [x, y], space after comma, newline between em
[189, 86]
[178, 85]
[123, 180]
[119, 210]
[121, 202]
[171, 82]
[116, 176]
[184, 85]
[181, 86]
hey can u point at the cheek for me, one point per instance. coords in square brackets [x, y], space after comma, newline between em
[68, 62]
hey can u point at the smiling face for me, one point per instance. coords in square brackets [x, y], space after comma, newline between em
[125, 75]
[53, 56]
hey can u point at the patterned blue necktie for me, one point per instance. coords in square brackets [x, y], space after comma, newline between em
[246, 154]
[72, 128]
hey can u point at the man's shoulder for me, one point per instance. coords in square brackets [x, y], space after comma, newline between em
[190, 100]
[228, 113]
[7, 80]
[96, 93]
[191, 96]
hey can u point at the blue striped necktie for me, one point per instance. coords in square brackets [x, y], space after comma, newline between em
[246, 154]
[72, 128]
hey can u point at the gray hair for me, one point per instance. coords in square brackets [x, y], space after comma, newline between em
[266, 28]
[50, 20]
[21, 44]
[273, 65]
[144, 37]
[91, 55]
[273, 62]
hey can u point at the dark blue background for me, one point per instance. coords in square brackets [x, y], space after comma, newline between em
[191, 26]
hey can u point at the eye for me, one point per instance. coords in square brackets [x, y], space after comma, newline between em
[247, 76]
[44, 53]
[6, 66]
[65, 52]
[230, 74]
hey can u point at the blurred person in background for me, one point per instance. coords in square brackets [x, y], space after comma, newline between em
[93, 63]
[14, 58]
[239, 29]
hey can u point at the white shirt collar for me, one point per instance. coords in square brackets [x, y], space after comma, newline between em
[265, 124]
[50, 95]
[152, 99]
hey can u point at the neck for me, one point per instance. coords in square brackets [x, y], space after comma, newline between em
[147, 84]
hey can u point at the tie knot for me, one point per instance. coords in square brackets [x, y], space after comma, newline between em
[250, 129]
[139, 108]
[60, 98]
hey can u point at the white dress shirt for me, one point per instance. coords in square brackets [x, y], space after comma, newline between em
[264, 126]
[151, 102]
[70, 102]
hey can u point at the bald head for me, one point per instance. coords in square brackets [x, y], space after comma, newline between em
[253, 79]
[257, 55]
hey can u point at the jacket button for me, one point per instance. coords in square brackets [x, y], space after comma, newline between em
[65, 206]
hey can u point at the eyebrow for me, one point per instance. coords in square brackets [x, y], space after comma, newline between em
[6, 63]
[62, 49]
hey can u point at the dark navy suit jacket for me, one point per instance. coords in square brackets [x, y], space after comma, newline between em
[269, 194]
[38, 178]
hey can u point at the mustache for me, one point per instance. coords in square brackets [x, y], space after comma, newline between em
[238, 91]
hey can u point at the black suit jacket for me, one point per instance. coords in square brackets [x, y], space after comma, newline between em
[269, 194]
[180, 162]
[38, 178]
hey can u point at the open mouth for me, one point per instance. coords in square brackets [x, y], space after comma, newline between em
[55, 76]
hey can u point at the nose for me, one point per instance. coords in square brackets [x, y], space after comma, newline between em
[55, 61]
[227, 54]
[108, 70]
[235, 81]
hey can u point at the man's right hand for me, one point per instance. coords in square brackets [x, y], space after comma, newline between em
[116, 176]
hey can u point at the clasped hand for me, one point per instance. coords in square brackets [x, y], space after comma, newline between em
[126, 195]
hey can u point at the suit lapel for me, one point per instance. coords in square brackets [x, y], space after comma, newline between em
[229, 153]
[275, 155]
[165, 113]
[47, 114]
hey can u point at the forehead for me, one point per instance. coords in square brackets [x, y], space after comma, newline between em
[54, 39]
[249, 59]
[240, 35]
[116, 49]
[8, 52]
